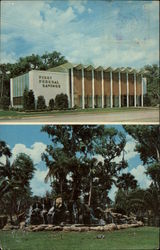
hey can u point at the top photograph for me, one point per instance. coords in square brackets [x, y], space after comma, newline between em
[77, 62]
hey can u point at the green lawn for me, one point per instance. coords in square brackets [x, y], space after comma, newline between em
[139, 238]
[16, 114]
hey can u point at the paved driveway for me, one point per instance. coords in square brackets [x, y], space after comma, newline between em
[139, 116]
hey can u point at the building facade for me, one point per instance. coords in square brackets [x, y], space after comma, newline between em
[85, 86]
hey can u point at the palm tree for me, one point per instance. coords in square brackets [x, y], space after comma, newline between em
[127, 182]
[5, 169]
[4, 150]
[15, 181]
[58, 168]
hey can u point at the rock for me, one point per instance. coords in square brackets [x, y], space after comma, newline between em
[39, 228]
[66, 229]
[110, 227]
[84, 229]
[57, 228]
[97, 228]
[22, 225]
[9, 227]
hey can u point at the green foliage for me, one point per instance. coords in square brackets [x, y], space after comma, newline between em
[5, 102]
[148, 141]
[28, 100]
[153, 87]
[41, 104]
[32, 62]
[147, 100]
[25, 99]
[127, 182]
[153, 171]
[31, 100]
[15, 179]
[61, 101]
[4, 80]
[4, 150]
[51, 104]
[72, 154]
[121, 204]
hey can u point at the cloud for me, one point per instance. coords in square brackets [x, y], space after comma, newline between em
[116, 37]
[139, 173]
[8, 57]
[34, 151]
[140, 176]
[79, 5]
[112, 192]
[129, 150]
[37, 183]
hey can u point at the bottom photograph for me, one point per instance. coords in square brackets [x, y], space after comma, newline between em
[74, 187]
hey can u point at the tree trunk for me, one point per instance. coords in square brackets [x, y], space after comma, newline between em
[90, 194]
[61, 187]
[158, 154]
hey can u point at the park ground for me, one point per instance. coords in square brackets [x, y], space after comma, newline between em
[107, 115]
[143, 238]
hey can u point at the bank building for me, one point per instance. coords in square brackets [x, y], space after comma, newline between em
[85, 85]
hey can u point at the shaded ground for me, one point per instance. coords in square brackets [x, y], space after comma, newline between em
[123, 115]
[134, 238]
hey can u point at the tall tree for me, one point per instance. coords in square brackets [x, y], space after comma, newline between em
[153, 171]
[147, 141]
[80, 147]
[127, 182]
[4, 150]
[153, 89]
[15, 181]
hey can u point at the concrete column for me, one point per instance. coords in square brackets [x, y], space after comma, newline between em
[142, 90]
[111, 84]
[119, 81]
[11, 92]
[83, 104]
[127, 91]
[72, 86]
[135, 90]
[102, 81]
[92, 88]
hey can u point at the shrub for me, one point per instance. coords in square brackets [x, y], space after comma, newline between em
[147, 100]
[25, 99]
[31, 100]
[5, 102]
[28, 100]
[41, 104]
[51, 104]
[61, 101]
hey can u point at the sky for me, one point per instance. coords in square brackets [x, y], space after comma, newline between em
[30, 140]
[107, 33]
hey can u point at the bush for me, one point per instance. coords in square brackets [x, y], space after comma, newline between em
[25, 99]
[28, 100]
[5, 102]
[61, 101]
[31, 100]
[147, 100]
[51, 104]
[41, 104]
